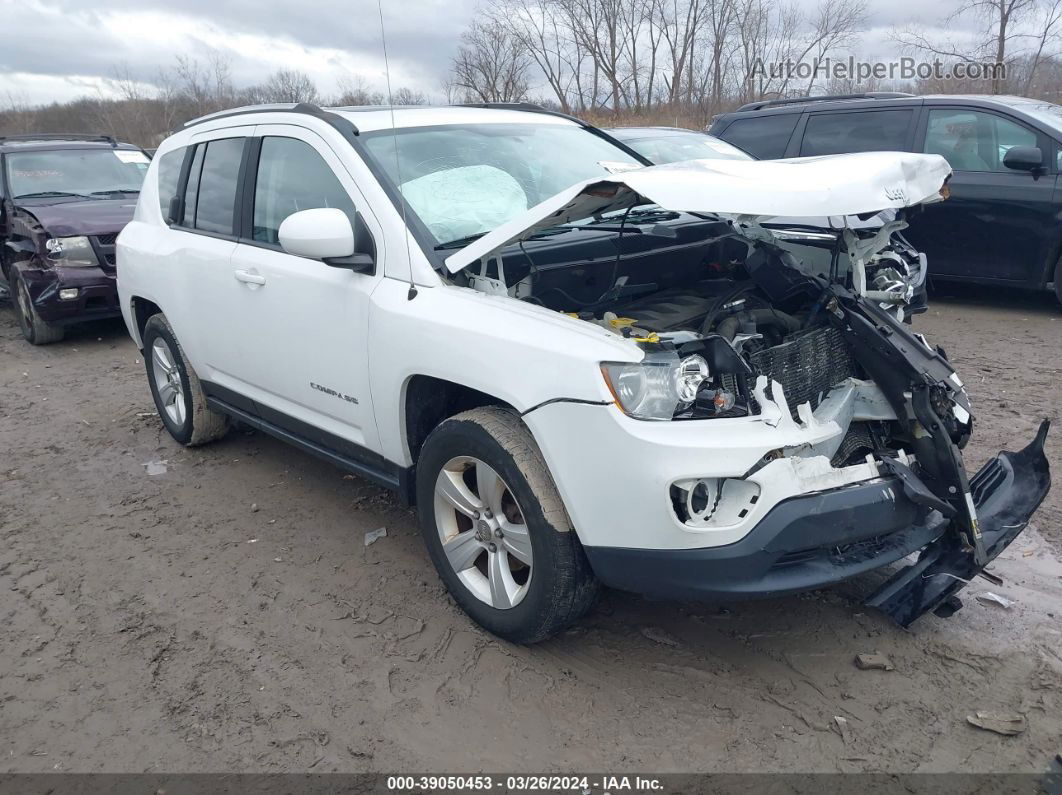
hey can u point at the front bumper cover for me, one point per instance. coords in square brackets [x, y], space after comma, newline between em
[97, 293]
[818, 540]
[1006, 492]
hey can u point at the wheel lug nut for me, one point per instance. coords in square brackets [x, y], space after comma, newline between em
[487, 513]
[475, 514]
[492, 547]
[498, 533]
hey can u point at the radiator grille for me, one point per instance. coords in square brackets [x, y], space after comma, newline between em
[807, 365]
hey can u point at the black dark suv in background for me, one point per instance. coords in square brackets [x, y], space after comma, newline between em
[1003, 221]
[63, 201]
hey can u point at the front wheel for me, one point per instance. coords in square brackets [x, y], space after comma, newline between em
[175, 387]
[1058, 280]
[496, 529]
[34, 329]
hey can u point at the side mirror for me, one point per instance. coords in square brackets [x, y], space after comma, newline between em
[322, 234]
[1024, 158]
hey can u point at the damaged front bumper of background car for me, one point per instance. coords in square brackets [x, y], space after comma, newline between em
[824, 437]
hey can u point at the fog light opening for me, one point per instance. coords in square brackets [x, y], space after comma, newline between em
[68, 293]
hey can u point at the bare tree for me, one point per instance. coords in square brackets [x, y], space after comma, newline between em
[1001, 26]
[353, 91]
[491, 64]
[286, 85]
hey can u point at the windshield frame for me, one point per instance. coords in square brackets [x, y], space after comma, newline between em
[14, 194]
[427, 241]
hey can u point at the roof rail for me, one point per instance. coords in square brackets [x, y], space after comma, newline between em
[771, 103]
[288, 107]
[526, 107]
[60, 137]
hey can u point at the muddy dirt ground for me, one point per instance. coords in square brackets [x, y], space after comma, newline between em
[225, 614]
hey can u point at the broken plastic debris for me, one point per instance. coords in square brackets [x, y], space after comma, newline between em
[988, 597]
[663, 637]
[374, 535]
[1005, 723]
[155, 467]
[876, 661]
[842, 728]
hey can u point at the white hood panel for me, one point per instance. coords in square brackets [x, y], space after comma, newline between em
[805, 187]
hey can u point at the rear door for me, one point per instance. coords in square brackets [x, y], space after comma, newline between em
[198, 250]
[996, 224]
[304, 324]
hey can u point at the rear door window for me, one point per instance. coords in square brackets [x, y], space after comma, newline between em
[864, 131]
[215, 195]
[974, 141]
[763, 137]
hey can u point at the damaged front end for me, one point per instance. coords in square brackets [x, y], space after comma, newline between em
[771, 317]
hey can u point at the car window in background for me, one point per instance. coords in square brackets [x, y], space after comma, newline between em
[467, 180]
[676, 147]
[763, 137]
[86, 172]
[292, 176]
[974, 141]
[169, 175]
[866, 131]
[217, 185]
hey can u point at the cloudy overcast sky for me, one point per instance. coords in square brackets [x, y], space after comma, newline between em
[60, 49]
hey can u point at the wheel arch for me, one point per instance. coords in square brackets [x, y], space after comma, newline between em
[142, 311]
[429, 400]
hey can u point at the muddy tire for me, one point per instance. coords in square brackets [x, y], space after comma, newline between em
[496, 529]
[34, 329]
[1058, 280]
[176, 389]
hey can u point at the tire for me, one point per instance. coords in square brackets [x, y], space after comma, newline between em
[1058, 280]
[35, 330]
[527, 540]
[176, 389]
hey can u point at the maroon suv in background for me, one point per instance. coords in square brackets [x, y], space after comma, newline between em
[63, 201]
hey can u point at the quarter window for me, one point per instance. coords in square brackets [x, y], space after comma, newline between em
[215, 198]
[763, 137]
[169, 175]
[973, 141]
[292, 176]
[865, 131]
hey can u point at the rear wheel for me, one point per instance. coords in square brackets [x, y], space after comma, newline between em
[175, 387]
[34, 329]
[496, 529]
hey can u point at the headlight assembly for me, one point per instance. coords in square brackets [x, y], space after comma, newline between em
[658, 387]
[71, 252]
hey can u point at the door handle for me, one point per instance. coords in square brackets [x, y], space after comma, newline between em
[249, 278]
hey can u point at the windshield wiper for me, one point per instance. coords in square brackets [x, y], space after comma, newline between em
[113, 191]
[48, 193]
[460, 242]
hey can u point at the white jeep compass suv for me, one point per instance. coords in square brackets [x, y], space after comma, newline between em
[693, 380]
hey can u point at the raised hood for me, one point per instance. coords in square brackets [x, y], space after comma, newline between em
[805, 187]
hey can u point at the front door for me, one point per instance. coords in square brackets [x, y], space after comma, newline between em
[994, 225]
[303, 324]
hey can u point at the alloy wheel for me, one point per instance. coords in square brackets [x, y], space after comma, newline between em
[168, 381]
[483, 533]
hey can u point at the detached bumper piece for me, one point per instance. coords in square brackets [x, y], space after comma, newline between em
[1006, 492]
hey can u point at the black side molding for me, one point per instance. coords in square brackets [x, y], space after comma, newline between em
[339, 452]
